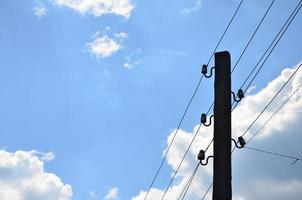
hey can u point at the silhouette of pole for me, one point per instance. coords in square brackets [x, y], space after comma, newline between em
[222, 186]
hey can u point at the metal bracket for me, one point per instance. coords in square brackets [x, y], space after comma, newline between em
[241, 142]
[204, 71]
[201, 157]
[240, 95]
[203, 119]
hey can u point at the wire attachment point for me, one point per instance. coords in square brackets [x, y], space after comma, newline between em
[201, 156]
[241, 142]
[204, 71]
[240, 95]
[203, 119]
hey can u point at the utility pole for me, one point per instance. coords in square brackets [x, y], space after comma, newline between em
[222, 186]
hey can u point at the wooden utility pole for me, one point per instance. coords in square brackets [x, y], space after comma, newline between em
[222, 186]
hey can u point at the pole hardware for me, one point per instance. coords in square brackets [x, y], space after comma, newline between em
[240, 95]
[201, 157]
[204, 71]
[241, 142]
[203, 119]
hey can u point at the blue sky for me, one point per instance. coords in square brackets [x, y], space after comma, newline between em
[102, 88]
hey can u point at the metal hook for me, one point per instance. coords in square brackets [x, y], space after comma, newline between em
[201, 157]
[204, 71]
[240, 95]
[204, 164]
[241, 142]
[203, 120]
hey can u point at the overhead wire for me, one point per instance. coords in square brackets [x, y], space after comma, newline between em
[190, 101]
[274, 114]
[208, 190]
[270, 48]
[188, 184]
[253, 35]
[274, 153]
[270, 102]
[251, 38]
[282, 105]
[195, 91]
[192, 176]
[287, 24]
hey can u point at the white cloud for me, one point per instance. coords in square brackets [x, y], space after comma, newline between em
[49, 156]
[121, 35]
[112, 194]
[194, 8]
[39, 10]
[104, 46]
[22, 177]
[99, 7]
[243, 115]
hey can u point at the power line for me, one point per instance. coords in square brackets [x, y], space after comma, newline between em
[176, 132]
[190, 101]
[250, 40]
[226, 29]
[257, 28]
[208, 190]
[274, 153]
[253, 35]
[261, 21]
[211, 106]
[274, 114]
[271, 100]
[178, 167]
[262, 113]
[188, 184]
[281, 31]
[287, 23]
[183, 158]
[273, 48]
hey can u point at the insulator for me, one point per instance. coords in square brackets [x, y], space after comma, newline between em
[204, 69]
[240, 94]
[241, 141]
[201, 155]
[203, 118]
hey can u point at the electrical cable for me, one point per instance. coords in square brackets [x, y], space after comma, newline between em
[273, 153]
[263, 111]
[250, 40]
[274, 114]
[208, 190]
[212, 104]
[271, 100]
[190, 101]
[186, 188]
[280, 33]
[253, 35]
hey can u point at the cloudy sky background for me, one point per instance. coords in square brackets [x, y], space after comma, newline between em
[91, 92]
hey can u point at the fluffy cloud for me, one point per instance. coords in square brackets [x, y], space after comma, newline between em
[112, 194]
[99, 7]
[196, 7]
[104, 46]
[39, 10]
[243, 115]
[22, 177]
